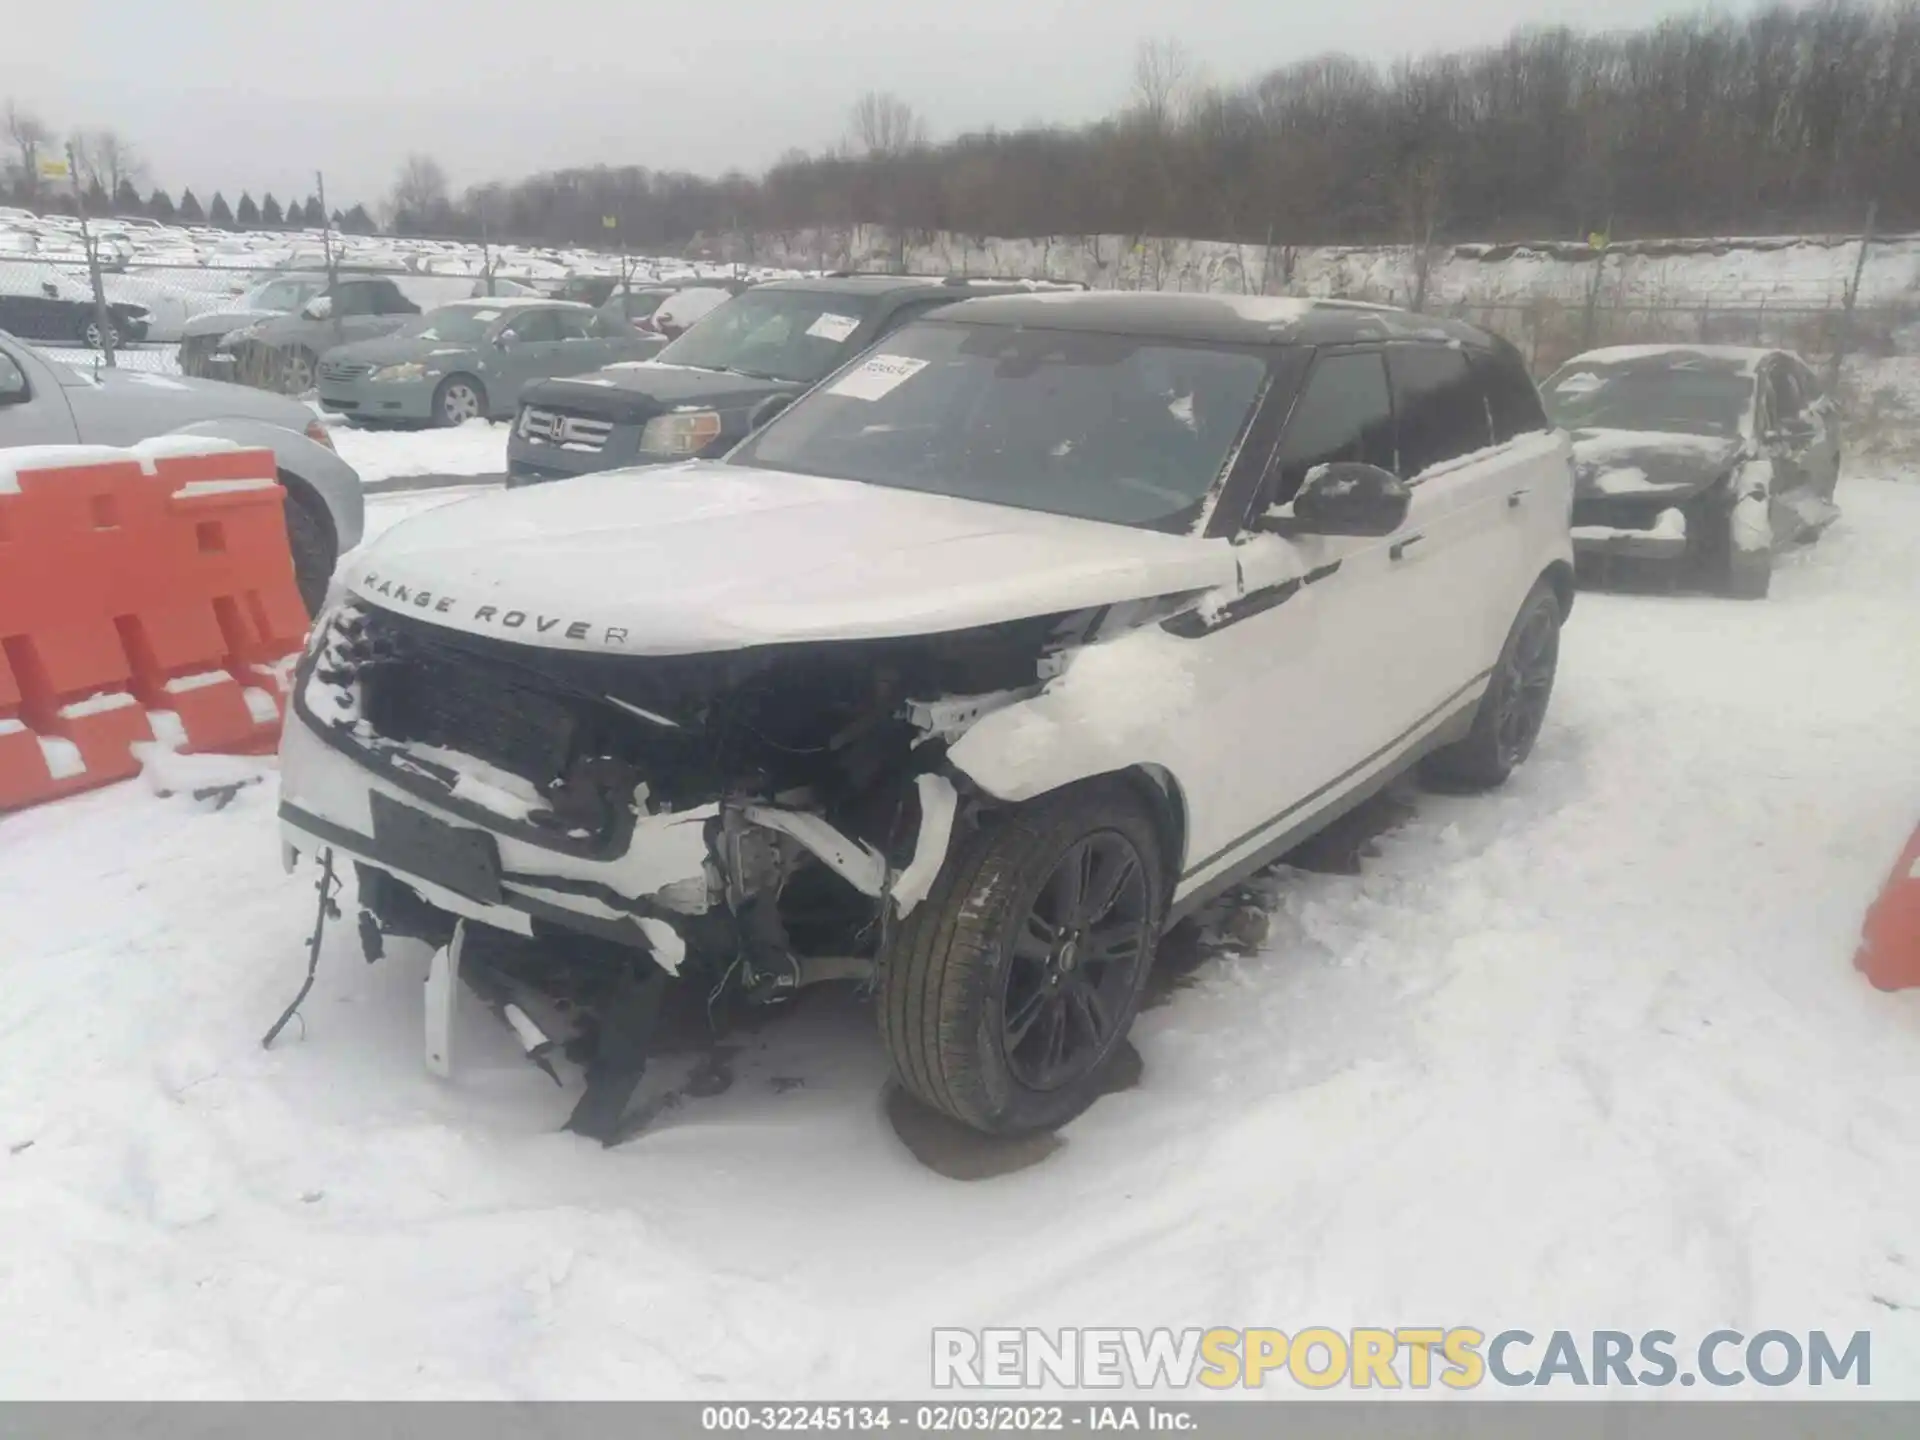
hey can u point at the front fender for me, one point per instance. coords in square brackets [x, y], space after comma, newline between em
[333, 482]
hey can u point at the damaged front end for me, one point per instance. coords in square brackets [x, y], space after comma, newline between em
[567, 830]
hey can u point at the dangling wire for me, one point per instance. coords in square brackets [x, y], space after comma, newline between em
[329, 909]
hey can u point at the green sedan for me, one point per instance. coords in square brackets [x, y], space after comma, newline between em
[471, 359]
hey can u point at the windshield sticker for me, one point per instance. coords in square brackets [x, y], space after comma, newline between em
[834, 327]
[878, 377]
[1580, 383]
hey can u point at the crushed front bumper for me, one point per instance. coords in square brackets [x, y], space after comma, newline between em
[658, 885]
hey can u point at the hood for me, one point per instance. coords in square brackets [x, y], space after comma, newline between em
[640, 390]
[706, 556]
[219, 322]
[119, 407]
[1609, 464]
[393, 349]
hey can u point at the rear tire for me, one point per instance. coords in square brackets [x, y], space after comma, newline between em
[459, 399]
[1514, 707]
[1007, 994]
[311, 542]
[90, 335]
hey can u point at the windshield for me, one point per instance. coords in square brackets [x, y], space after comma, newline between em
[1682, 396]
[285, 296]
[1125, 429]
[454, 324]
[780, 334]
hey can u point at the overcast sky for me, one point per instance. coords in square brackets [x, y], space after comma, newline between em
[257, 94]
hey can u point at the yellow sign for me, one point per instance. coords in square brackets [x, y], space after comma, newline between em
[53, 170]
[610, 222]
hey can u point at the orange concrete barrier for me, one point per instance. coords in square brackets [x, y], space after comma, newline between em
[1889, 953]
[144, 594]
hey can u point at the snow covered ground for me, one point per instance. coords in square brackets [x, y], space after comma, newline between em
[478, 447]
[1586, 1053]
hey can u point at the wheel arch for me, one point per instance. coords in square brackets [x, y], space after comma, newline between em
[1559, 575]
[1157, 787]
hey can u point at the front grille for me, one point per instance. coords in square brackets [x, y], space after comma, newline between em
[569, 432]
[432, 696]
[343, 370]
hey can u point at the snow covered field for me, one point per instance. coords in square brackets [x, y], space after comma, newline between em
[1586, 1053]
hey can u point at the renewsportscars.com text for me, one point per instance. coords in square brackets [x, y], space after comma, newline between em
[1408, 1357]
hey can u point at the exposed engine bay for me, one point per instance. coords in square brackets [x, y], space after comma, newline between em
[754, 819]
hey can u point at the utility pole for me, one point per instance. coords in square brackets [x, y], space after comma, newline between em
[1845, 338]
[326, 230]
[102, 317]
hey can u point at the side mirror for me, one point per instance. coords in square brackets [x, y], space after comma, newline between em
[318, 308]
[1348, 498]
[13, 384]
[505, 340]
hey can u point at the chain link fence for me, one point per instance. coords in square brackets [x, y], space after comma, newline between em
[1873, 349]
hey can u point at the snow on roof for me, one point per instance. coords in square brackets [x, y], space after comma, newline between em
[1748, 358]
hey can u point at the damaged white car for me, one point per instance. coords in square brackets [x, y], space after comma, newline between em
[1004, 648]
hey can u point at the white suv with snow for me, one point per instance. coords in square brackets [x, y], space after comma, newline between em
[1001, 650]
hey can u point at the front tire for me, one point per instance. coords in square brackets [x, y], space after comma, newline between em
[459, 399]
[1514, 707]
[297, 372]
[1007, 994]
[311, 542]
[90, 335]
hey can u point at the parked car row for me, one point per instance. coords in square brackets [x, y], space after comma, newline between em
[65, 313]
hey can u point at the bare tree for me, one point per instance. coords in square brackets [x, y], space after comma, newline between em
[1164, 81]
[884, 124]
[108, 158]
[30, 136]
[420, 197]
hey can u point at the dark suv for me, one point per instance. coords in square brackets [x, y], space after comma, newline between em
[728, 375]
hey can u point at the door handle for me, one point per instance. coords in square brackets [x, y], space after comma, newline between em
[1513, 500]
[1399, 548]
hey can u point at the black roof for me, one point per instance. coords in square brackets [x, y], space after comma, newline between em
[1231, 319]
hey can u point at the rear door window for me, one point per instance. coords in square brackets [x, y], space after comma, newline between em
[1439, 409]
[536, 326]
[1513, 402]
[1344, 413]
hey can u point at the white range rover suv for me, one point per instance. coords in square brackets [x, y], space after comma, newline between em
[1008, 645]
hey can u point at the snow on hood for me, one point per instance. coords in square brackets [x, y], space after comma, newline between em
[220, 322]
[707, 556]
[1650, 462]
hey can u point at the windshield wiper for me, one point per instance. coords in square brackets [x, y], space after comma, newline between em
[751, 374]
